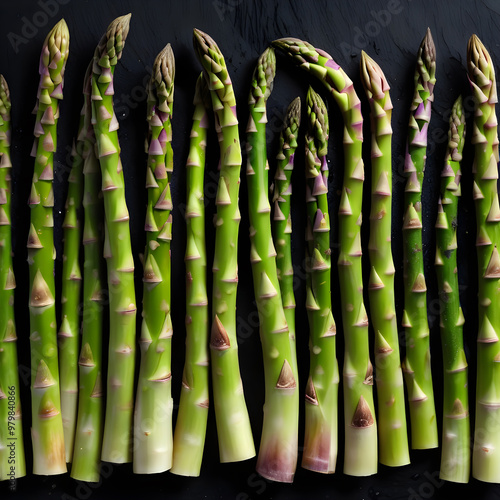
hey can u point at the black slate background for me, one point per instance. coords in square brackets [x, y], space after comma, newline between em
[390, 31]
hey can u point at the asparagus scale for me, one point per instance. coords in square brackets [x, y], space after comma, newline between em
[233, 424]
[47, 427]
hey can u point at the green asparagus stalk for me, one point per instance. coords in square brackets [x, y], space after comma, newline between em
[455, 455]
[282, 218]
[486, 452]
[321, 440]
[117, 249]
[153, 411]
[89, 428]
[417, 364]
[47, 427]
[233, 424]
[277, 458]
[12, 461]
[393, 440]
[360, 424]
[190, 429]
[69, 329]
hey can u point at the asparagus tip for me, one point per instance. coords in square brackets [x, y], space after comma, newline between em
[478, 58]
[428, 49]
[164, 72]
[117, 33]
[318, 120]
[293, 111]
[373, 77]
[4, 92]
[201, 92]
[263, 76]
[203, 41]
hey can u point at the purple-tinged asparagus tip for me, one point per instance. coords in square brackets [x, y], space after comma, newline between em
[373, 77]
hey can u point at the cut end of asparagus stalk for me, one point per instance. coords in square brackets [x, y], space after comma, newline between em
[373, 77]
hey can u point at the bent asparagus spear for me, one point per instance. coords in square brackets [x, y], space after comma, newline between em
[360, 424]
[233, 424]
[117, 249]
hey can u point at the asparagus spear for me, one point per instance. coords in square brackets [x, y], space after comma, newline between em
[233, 424]
[117, 249]
[360, 425]
[393, 441]
[455, 456]
[47, 428]
[153, 411]
[417, 364]
[277, 458]
[12, 462]
[190, 429]
[282, 218]
[88, 435]
[486, 452]
[320, 444]
[69, 329]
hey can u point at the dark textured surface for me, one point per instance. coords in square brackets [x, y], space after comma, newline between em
[390, 31]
